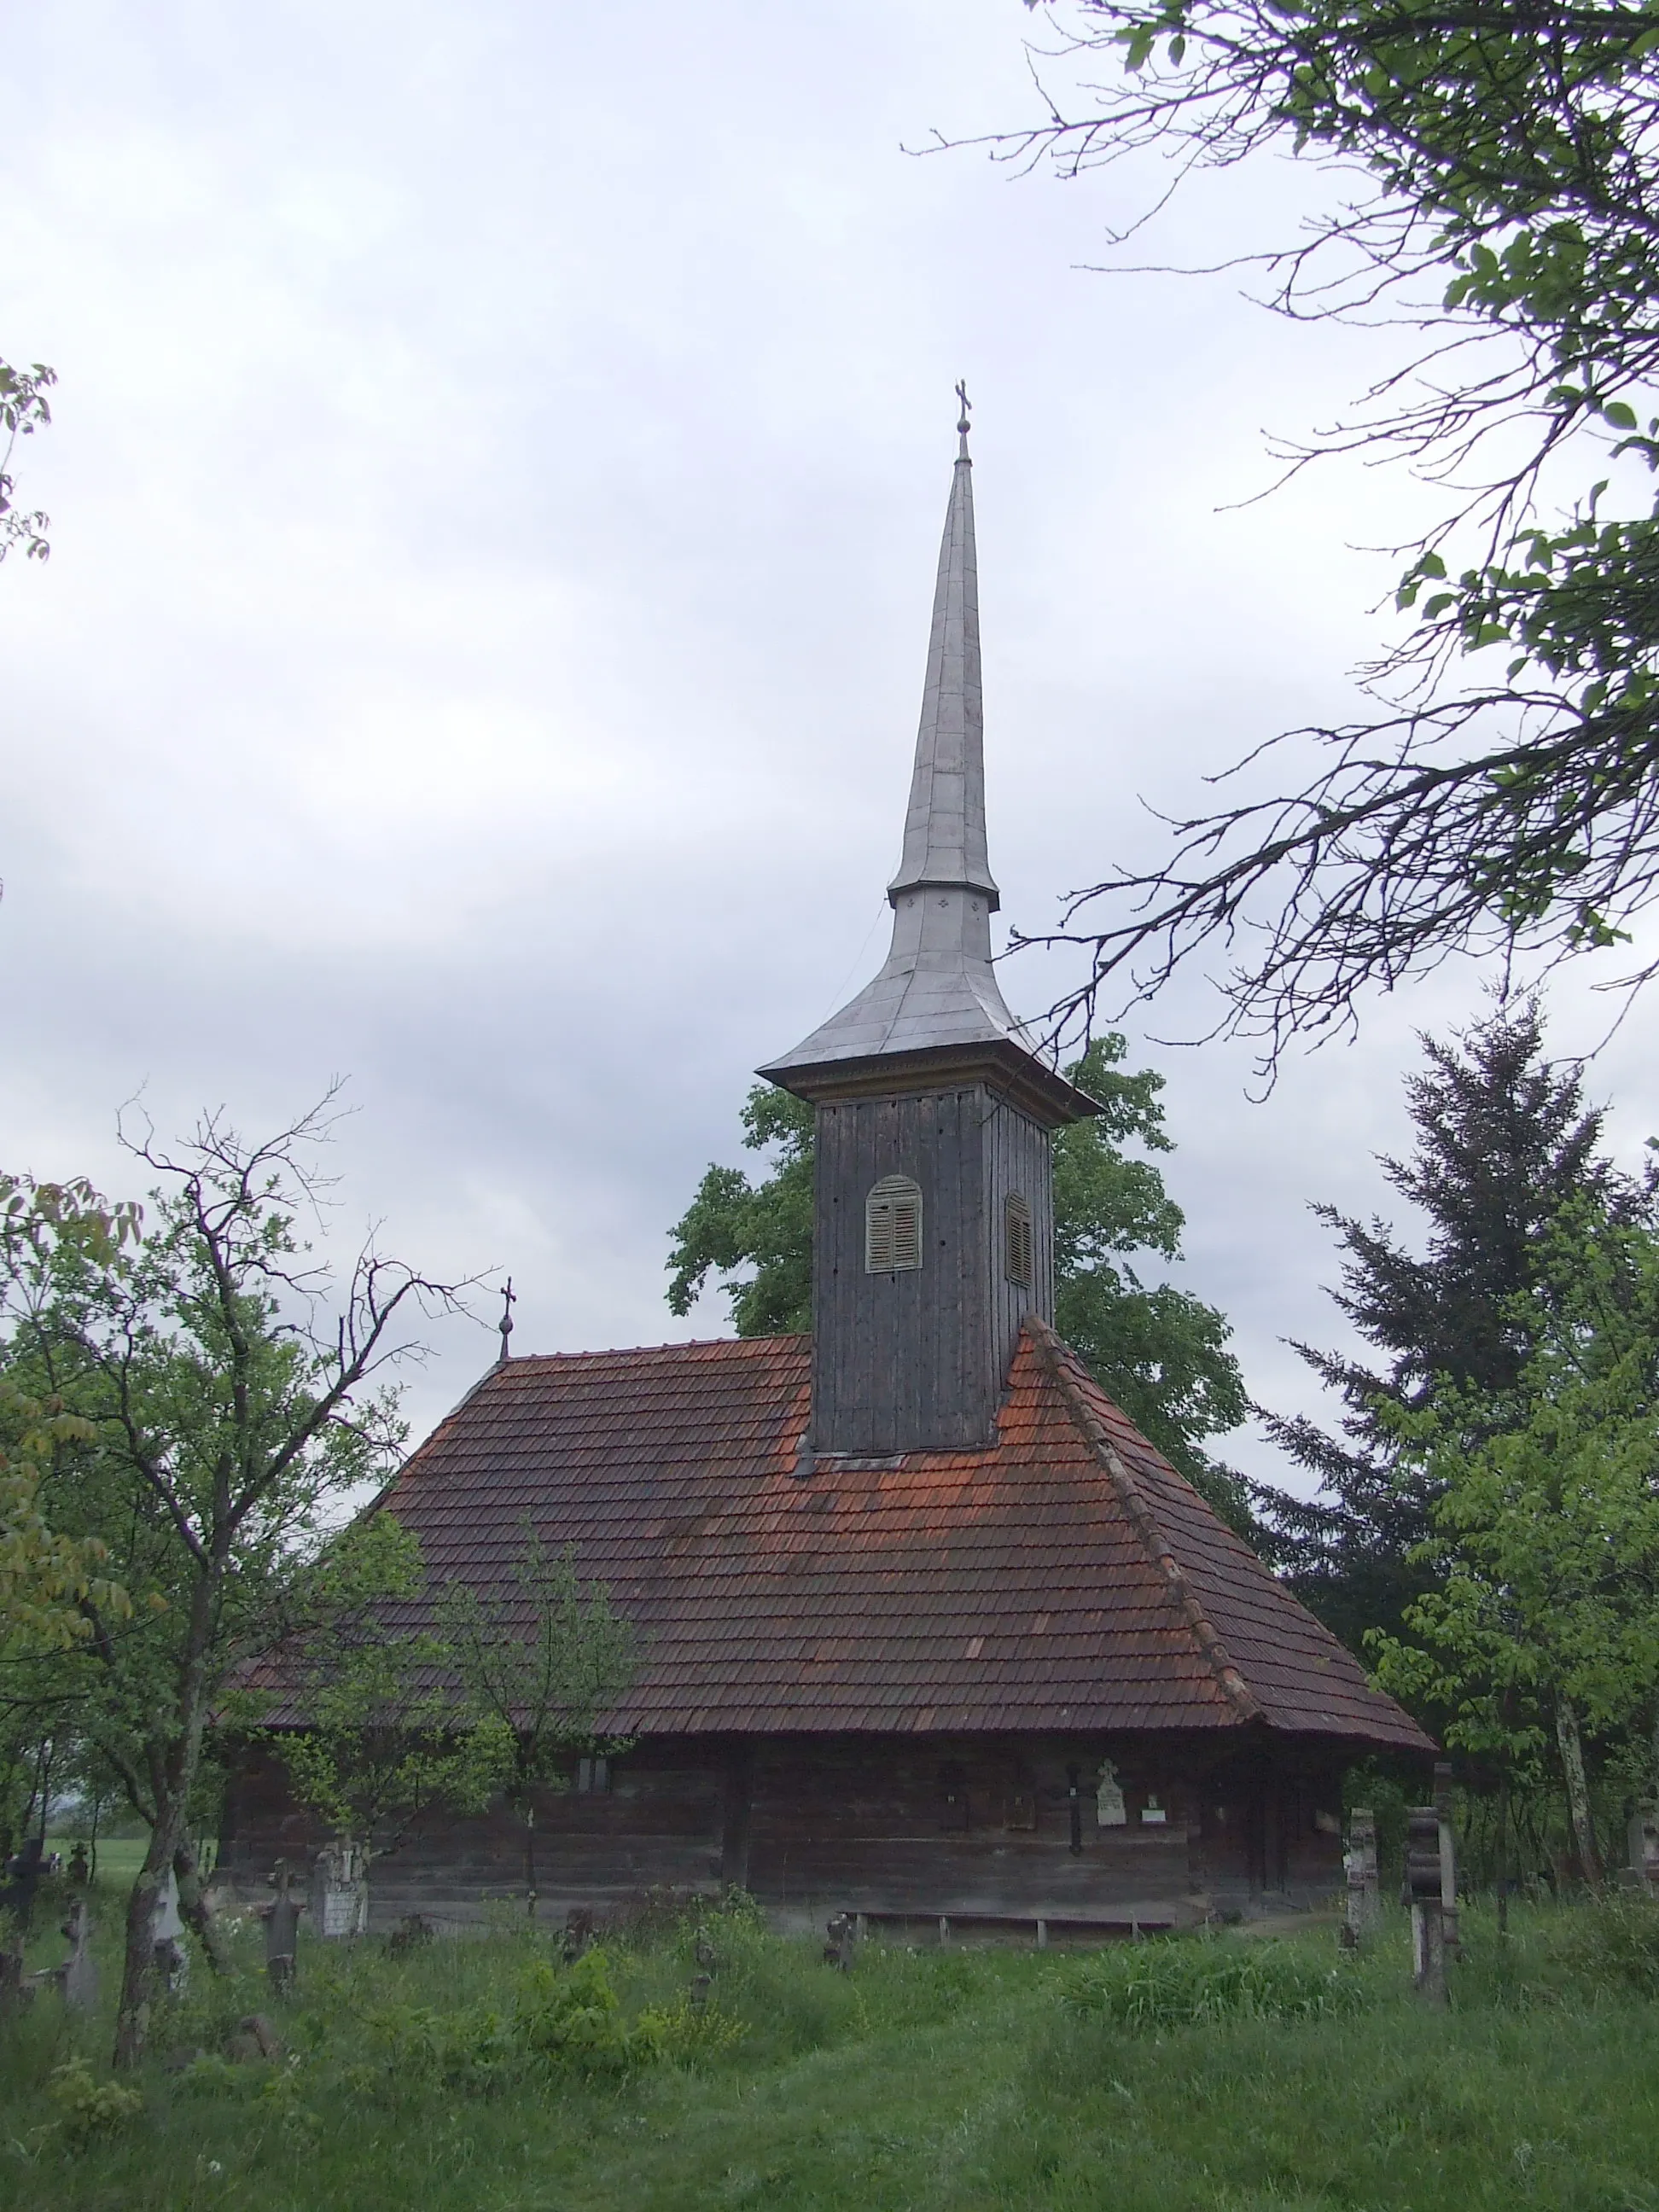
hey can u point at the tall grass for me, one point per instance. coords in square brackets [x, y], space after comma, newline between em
[1206, 2074]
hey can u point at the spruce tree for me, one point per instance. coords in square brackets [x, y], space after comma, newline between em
[1505, 1140]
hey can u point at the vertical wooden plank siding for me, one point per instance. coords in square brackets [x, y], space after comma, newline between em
[905, 1361]
[916, 1360]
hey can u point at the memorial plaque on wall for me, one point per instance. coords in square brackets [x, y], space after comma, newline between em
[1110, 1811]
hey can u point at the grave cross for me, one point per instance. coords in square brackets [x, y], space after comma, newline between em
[282, 1920]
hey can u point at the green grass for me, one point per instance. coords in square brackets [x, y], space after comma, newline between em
[119, 1858]
[1221, 2074]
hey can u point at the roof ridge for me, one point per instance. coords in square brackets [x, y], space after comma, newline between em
[679, 1344]
[1059, 1359]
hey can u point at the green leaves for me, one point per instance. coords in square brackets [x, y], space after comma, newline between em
[1162, 1354]
[208, 1416]
[1544, 1544]
[51, 1590]
[24, 409]
[542, 1658]
[1499, 177]
[733, 1225]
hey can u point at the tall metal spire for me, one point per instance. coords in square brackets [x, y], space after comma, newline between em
[936, 994]
[944, 827]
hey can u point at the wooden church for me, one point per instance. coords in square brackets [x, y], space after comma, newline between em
[930, 1632]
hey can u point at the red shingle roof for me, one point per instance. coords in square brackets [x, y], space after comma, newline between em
[1067, 1578]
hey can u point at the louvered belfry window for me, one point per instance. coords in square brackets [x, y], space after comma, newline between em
[1017, 1241]
[892, 1226]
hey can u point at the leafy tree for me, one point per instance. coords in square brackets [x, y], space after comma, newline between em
[539, 1661]
[232, 1413]
[1498, 201]
[1504, 1141]
[733, 1225]
[385, 1736]
[1543, 1616]
[49, 1579]
[23, 410]
[1159, 1353]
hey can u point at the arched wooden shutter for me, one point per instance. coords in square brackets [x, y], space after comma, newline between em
[1017, 1241]
[892, 1226]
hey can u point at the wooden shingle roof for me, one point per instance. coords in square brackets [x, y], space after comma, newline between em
[1067, 1578]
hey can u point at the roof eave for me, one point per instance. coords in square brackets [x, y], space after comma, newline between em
[1026, 1082]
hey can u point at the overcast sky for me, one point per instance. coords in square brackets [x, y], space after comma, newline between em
[499, 460]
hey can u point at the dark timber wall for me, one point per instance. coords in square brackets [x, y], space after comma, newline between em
[915, 1360]
[974, 1827]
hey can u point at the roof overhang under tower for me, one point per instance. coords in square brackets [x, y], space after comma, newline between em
[1003, 1066]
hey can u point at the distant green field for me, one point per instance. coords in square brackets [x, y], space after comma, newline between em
[1223, 2073]
[119, 1858]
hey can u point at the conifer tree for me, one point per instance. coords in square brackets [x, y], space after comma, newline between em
[1504, 1141]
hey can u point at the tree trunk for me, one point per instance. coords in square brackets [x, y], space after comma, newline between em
[530, 1856]
[1571, 1746]
[1503, 1852]
[139, 1979]
[197, 1910]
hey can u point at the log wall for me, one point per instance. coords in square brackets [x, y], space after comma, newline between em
[979, 1829]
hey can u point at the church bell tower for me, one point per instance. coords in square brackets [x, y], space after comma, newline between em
[933, 1200]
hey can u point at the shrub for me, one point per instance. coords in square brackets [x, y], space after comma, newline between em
[1613, 1945]
[683, 2035]
[1190, 1982]
[88, 2108]
[574, 2018]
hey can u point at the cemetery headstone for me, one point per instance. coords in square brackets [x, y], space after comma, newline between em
[339, 1891]
[78, 1975]
[1442, 1808]
[1641, 1835]
[1110, 1811]
[843, 1932]
[23, 1872]
[413, 1933]
[1422, 1893]
[166, 1935]
[253, 2039]
[1365, 1900]
[282, 1920]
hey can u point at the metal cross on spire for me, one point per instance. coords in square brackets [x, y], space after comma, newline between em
[962, 420]
[509, 1300]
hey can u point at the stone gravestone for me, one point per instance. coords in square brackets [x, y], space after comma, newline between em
[1110, 1811]
[78, 1975]
[1443, 1806]
[1423, 1893]
[843, 1932]
[23, 1873]
[166, 1935]
[339, 1890]
[1364, 1899]
[1641, 1834]
[282, 1920]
